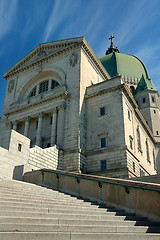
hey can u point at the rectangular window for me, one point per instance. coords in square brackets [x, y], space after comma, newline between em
[51, 120]
[102, 111]
[154, 111]
[152, 99]
[131, 142]
[19, 147]
[129, 115]
[134, 168]
[157, 132]
[103, 166]
[144, 100]
[103, 142]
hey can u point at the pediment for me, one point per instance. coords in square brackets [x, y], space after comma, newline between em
[42, 52]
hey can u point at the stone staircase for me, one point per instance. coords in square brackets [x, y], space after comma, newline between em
[32, 212]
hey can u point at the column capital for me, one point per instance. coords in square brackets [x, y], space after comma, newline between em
[27, 118]
[40, 114]
[62, 106]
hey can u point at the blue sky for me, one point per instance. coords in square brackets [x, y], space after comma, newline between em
[134, 23]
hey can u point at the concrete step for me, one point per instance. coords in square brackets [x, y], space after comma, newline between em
[33, 212]
[53, 206]
[13, 227]
[76, 236]
[76, 216]
[116, 222]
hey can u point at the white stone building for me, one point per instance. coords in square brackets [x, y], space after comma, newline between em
[101, 114]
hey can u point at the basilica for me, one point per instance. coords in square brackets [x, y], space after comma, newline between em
[67, 109]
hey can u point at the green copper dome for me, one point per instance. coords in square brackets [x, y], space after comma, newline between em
[125, 65]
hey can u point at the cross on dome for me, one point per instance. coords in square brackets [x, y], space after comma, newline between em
[112, 48]
[111, 38]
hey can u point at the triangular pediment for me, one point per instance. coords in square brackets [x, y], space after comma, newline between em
[46, 51]
[43, 51]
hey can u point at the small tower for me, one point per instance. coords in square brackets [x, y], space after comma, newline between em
[147, 98]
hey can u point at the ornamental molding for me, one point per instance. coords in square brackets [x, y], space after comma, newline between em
[73, 59]
[11, 85]
[63, 95]
[49, 51]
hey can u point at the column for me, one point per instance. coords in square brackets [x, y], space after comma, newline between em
[60, 125]
[26, 127]
[15, 125]
[39, 129]
[54, 127]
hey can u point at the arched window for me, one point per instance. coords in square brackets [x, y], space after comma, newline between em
[147, 151]
[33, 92]
[138, 139]
[54, 84]
[43, 86]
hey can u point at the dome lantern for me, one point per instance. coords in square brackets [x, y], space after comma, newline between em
[112, 48]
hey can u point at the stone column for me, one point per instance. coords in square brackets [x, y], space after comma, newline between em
[54, 127]
[26, 127]
[15, 125]
[60, 125]
[39, 129]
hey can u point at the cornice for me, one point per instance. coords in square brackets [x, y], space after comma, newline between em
[101, 92]
[61, 48]
[63, 95]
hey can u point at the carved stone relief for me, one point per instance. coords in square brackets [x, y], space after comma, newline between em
[11, 86]
[73, 59]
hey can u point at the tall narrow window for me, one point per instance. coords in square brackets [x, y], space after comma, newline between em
[147, 151]
[144, 100]
[103, 165]
[131, 142]
[138, 139]
[154, 161]
[43, 86]
[102, 111]
[103, 142]
[153, 99]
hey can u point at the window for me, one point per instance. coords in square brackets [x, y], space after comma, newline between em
[103, 142]
[19, 147]
[43, 87]
[54, 84]
[103, 165]
[154, 111]
[102, 111]
[131, 142]
[144, 100]
[138, 139]
[33, 92]
[129, 115]
[153, 99]
[51, 120]
[147, 151]
[154, 160]
[157, 132]
[134, 168]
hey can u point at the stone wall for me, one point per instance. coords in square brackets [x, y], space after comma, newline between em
[20, 158]
[43, 158]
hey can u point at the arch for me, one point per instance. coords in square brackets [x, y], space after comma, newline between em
[56, 74]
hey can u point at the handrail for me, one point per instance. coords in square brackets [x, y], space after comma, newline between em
[144, 186]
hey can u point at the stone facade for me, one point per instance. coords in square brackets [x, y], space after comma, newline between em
[61, 95]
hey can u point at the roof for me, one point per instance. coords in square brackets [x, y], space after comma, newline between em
[145, 84]
[122, 64]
